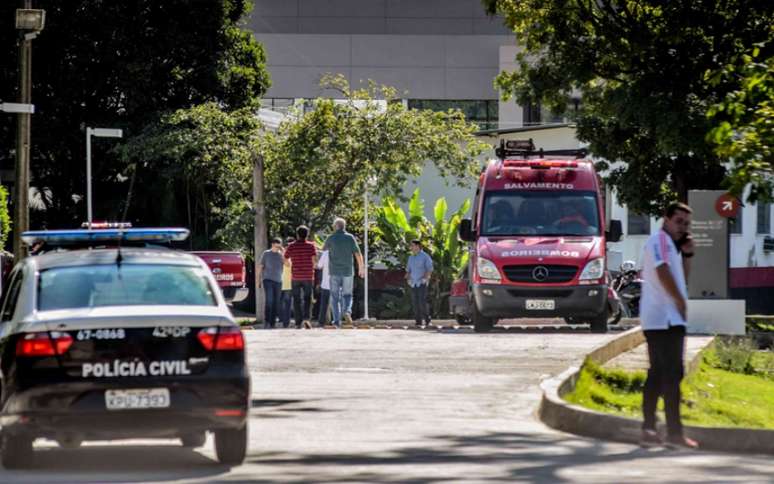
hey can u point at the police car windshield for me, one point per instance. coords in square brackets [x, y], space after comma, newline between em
[544, 213]
[127, 285]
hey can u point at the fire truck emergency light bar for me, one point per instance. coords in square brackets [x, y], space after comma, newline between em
[76, 237]
[526, 148]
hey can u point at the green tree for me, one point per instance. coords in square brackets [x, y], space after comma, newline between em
[640, 68]
[395, 229]
[204, 156]
[745, 131]
[319, 160]
[121, 65]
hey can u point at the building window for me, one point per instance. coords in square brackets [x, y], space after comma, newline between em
[764, 218]
[280, 104]
[485, 113]
[534, 114]
[531, 114]
[638, 224]
[735, 224]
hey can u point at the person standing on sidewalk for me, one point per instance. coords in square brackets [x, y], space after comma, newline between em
[325, 289]
[665, 268]
[303, 257]
[341, 246]
[419, 268]
[270, 277]
[286, 299]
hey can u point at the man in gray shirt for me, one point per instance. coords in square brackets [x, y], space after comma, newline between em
[341, 246]
[269, 275]
[419, 268]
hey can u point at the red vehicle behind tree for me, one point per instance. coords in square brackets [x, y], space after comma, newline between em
[229, 271]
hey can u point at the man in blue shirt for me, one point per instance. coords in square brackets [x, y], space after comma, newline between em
[418, 271]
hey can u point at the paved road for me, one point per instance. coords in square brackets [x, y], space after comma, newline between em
[396, 406]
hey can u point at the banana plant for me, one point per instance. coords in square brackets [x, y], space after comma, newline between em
[395, 229]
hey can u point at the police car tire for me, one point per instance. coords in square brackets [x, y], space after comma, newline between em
[193, 439]
[16, 451]
[231, 445]
[70, 443]
[599, 323]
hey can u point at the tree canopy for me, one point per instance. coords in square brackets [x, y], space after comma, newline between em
[199, 163]
[745, 125]
[120, 65]
[643, 70]
[320, 159]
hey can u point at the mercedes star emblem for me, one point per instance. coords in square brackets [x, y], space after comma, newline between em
[540, 273]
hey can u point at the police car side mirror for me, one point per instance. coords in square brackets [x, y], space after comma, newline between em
[466, 231]
[614, 232]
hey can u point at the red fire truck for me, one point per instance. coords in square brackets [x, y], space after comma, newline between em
[537, 239]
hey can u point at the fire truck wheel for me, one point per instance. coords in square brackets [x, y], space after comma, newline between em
[599, 323]
[481, 324]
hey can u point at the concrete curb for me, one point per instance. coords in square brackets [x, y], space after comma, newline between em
[559, 414]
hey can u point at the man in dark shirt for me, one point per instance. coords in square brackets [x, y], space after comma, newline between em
[270, 278]
[303, 257]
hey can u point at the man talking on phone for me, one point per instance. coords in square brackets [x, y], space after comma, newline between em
[666, 263]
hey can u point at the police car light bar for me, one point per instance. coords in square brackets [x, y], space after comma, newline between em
[67, 237]
[107, 225]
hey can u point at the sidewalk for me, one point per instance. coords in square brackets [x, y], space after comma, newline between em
[637, 358]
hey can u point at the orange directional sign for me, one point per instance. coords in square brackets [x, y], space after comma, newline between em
[727, 205]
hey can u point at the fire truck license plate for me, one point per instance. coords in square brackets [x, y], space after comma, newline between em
[540, 304]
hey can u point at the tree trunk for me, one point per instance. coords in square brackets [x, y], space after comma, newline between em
[260, 228]
[679, 179]
[188, 209]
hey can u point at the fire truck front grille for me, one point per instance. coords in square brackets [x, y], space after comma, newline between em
[539, 273]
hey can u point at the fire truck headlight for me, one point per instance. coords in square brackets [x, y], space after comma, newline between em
[488, 270]
[595, 269]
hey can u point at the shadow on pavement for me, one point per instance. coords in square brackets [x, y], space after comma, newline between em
[282, 408]
[510, 457]
[127, 463]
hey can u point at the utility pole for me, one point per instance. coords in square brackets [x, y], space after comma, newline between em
[260, 242]
[29, 22]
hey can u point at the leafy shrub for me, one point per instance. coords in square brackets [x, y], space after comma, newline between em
[5, 217]
[733, 354]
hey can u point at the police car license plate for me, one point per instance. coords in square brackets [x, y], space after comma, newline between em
[541, 304]
[137, 398]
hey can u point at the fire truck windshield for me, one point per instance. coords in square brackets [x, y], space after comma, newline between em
[548, 213]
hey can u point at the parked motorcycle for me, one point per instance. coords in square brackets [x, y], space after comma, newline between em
[616, 308]
[628, 284]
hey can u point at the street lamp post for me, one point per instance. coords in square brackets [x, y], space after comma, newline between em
[29, 22]
[100, 133]
[365, 252]
[370, 181]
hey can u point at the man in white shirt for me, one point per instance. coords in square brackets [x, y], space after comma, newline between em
[325, 289]
[665, 267]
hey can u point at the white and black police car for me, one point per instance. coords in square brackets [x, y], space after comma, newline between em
[107, 334]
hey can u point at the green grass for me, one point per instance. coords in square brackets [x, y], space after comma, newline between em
[711, 396]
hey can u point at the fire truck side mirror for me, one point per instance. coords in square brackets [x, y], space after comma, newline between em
[467, 233]
[615, 231]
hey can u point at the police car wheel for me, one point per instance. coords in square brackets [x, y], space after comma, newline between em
[231, 445]
[69, 443]
[193, 439]
[16, 451]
